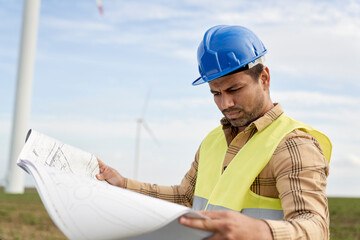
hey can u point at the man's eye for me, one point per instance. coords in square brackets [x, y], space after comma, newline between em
[234, 90]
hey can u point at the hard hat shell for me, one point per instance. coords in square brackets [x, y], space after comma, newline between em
[225, 49]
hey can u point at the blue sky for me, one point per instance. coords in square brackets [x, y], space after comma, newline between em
[93, 73]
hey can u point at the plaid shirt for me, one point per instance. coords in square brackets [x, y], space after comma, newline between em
[296, 174]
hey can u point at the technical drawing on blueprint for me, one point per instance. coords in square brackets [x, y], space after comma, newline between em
[48, 151]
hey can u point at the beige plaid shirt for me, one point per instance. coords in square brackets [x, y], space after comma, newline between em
[296, 174]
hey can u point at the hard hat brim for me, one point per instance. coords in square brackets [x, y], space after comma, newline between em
[198, 81]
[251, 64]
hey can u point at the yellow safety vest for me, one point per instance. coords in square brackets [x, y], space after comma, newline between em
[230, 190]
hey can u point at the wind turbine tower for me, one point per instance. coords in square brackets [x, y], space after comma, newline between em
[141, 123]
[25, 73]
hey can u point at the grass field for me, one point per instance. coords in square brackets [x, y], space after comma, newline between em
[23, 216]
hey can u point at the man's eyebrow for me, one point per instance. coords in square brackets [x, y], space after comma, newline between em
[235, 85]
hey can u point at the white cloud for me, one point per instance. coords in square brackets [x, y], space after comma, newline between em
[183, 103]
[142, 11]
[354, 160]
[316, 99]
[74, 25]
[344, 172]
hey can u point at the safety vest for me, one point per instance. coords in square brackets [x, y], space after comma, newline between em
[230, 190]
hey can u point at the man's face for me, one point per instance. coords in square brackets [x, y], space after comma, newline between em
[240, 98]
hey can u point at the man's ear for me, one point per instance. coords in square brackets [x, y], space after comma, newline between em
[265, 78]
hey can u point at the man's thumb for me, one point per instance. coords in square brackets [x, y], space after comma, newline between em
[100, 176]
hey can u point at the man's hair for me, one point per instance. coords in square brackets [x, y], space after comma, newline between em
[254, 72]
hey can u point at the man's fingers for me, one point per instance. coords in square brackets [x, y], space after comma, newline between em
[102, 166]
[100, 162]
[104, 173]
[110, 175]
[215, 214]
[203, 224]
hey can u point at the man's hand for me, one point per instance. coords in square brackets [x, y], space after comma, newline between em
[229, 225]
[110, 175]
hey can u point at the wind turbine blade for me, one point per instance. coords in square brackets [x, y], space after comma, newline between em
[100, 7]
[147, 128]
[145, 104]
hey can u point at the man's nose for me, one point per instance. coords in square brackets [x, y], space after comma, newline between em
[226, 101]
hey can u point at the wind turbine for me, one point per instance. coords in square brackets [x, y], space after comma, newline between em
[141, 123]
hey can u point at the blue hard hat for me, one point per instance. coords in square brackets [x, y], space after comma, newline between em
[225, 49]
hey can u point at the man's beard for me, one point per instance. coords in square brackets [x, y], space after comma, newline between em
[247, 116]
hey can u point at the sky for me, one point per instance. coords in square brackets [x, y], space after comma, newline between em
[96, 75]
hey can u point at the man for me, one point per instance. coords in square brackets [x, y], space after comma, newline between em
[268, 168]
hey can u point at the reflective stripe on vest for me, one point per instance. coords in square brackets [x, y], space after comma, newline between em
[231, 189]
[273, 214]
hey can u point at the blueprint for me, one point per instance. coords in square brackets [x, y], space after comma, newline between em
[85, 208]
[44, 150]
